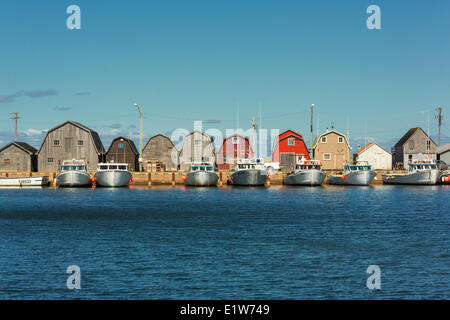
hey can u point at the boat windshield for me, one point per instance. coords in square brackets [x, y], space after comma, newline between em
[308, 167]
[201, 168]
[422, 166]
[358, 168]
[73, 167]
[245, 166]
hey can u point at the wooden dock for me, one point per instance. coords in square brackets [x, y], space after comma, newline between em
[176, 178]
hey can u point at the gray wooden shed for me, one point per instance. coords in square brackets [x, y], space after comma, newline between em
[70, 140]
[18, 156]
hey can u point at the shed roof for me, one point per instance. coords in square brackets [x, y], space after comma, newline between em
[443, 148]
[367, 146]
[21, 145]
[328, 132]
[133, 146]
[159, 135]
[95, 137]
[408, 135]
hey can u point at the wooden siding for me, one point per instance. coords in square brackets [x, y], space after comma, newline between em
[121, 151]
[160, 149]
[67, 148]
[15, 159]
[197, 147]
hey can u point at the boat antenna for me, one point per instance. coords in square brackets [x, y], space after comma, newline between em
[254, 138]
[260, 127]
[439, 119]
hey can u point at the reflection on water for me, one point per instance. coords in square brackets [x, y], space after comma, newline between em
[225, 242]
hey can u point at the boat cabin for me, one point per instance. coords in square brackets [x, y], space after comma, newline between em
[74, 165]
[358, 166]
[416, 167]
[112, 166]
[308, 165]
[202, 167]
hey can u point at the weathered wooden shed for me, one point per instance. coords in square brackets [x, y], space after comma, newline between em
[123, 150]
[197, 147]
[233, 148]
[70, 140]
[18, 156]
[415, 145]
[160, 154]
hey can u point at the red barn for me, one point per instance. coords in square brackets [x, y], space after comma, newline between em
[233, 147]
[289, 148]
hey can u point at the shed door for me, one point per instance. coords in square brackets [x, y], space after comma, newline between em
[287, 161]
[67, 144]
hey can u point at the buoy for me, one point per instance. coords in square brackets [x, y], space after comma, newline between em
[343, 177]
[184, 178]
[131, 180]
[446, 179]
[268, 177]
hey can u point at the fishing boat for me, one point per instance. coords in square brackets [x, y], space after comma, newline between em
[249, 172]
[423, 173]
[74, 173]
[306, 173]
[201, 175]
[24, 181]
[356, 173]
[112, 175]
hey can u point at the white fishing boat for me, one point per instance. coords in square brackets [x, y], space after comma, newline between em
[112, 175]
[74, 173]
[201, 175]
[24, 181]
[249, 172]
[356, 173]
[422, 173]
[306, 173]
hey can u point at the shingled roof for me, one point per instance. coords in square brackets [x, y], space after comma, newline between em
[408, 135]
[133, 146]
[21, 145]
[95, 137]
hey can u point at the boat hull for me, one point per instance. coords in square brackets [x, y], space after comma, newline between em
[24, 181]
[112, 178]
[254, 177]
[427, 177]
[311, 178]
[355, 178]
[73, 179]
[201, 179]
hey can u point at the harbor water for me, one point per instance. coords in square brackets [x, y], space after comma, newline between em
[226, 243]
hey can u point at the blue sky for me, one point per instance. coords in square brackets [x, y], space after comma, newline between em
[195, 60]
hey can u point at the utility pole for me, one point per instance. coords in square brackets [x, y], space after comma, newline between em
[254, 136]
[15, 118]
[439, 119]
[141, 166]
[312, 132]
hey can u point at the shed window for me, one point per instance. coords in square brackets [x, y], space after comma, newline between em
[56, 143]
[7, 161]
[80, 142]
[50, 160]
[327, 156]
[428, 145]
[235, 140]
[205, 159]
[411, 144]
[324, 140]
[291, 142]
[341, 140]
[198, 142]
[120, 145]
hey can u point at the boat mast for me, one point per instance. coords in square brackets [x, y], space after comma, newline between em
[312, 132]
[254, 137]
[439, 119]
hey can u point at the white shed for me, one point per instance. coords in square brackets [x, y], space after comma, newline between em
[377, 156]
